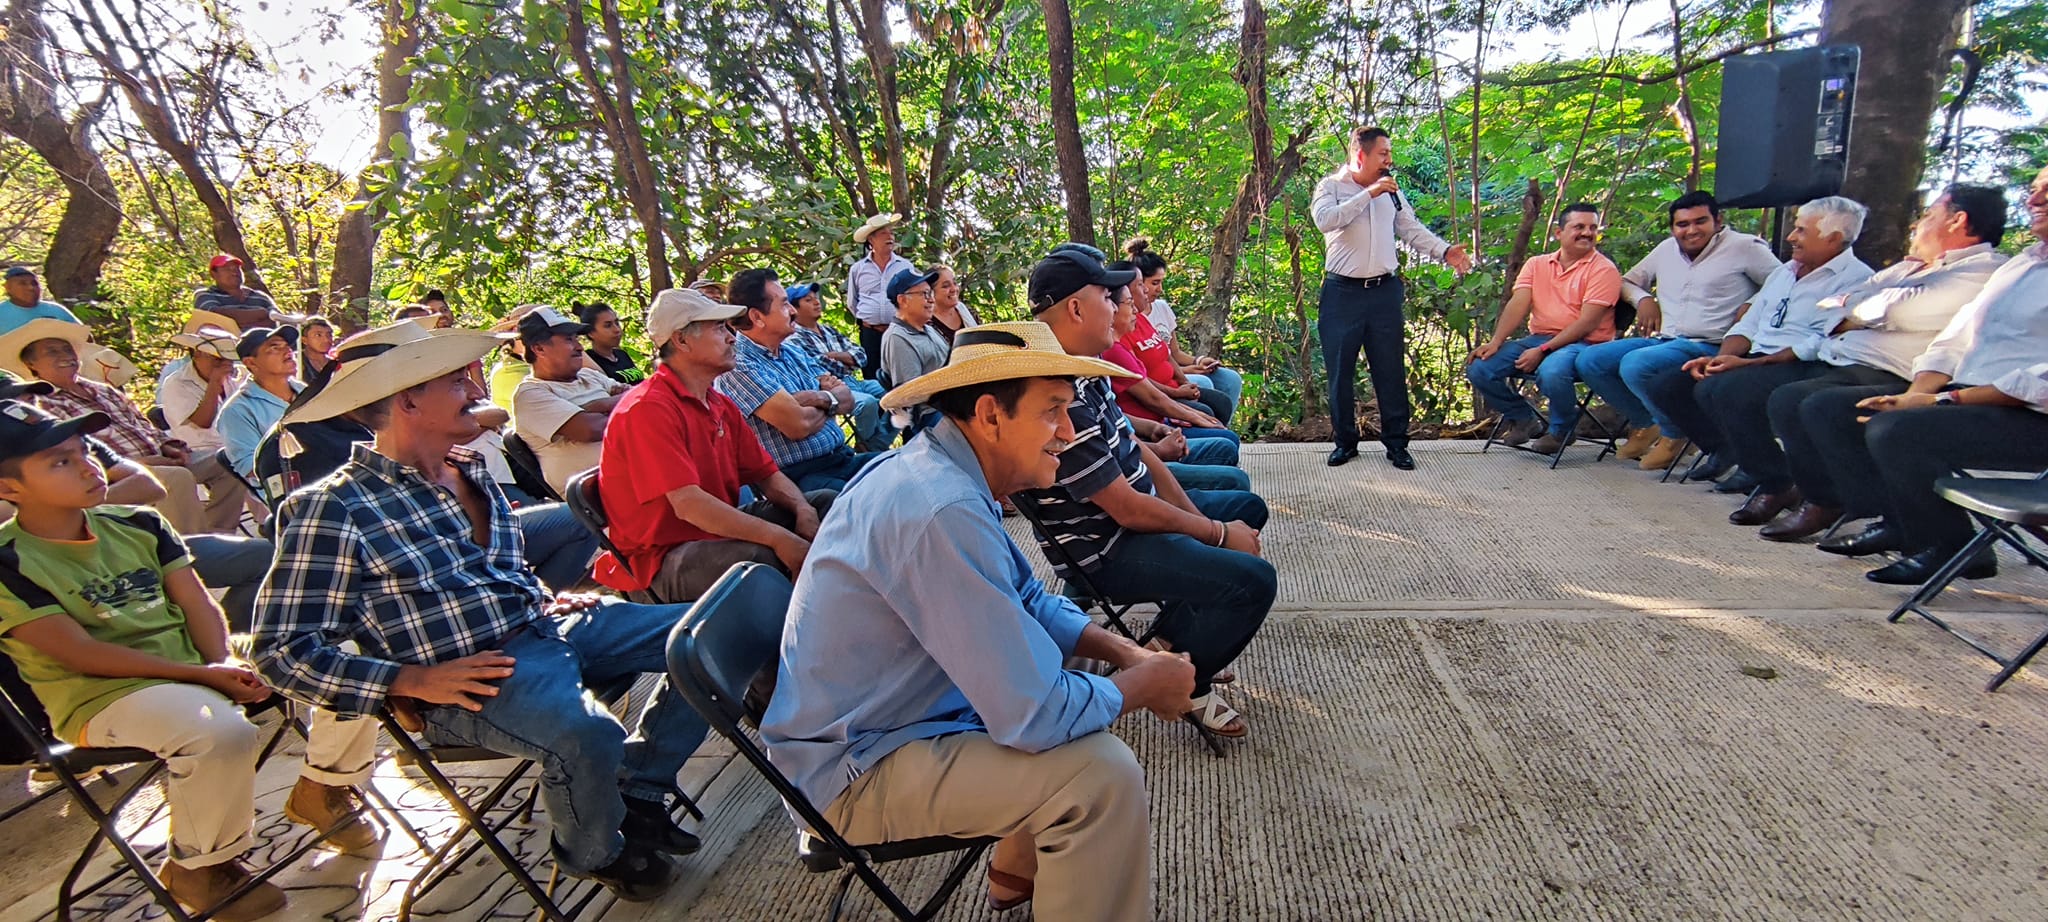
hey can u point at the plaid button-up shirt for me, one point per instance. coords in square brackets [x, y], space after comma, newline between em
[827, 339]
[379, 555]
[132, 434]
[758, 375]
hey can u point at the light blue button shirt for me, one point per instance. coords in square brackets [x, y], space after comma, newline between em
[917, 617]
[245, 419]
[1786, 312]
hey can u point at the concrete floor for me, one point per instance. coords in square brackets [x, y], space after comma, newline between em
[1489, 690]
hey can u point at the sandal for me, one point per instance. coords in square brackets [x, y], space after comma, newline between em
[1218, 717]
[1223, 676]
[1008, 881]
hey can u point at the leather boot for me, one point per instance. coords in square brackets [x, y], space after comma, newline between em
[201, 889]
[1806, 521]
[1638, 442]
[335, 811]
[1763, 507]
[1919, 568]
[1876, 539]
[1663, 453]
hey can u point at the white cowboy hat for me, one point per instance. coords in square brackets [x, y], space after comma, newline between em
[1000, 352]
[219, 342]
[34, 331]
[203, 319]
[374, 365]
[103, 364]
[861, 233]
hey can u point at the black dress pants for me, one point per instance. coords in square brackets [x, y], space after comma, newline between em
[1739, 402]
[1915, 447]
[1676, 393]
[1352, 318]
[1832, 463]
[871, 343]
[1804, 462]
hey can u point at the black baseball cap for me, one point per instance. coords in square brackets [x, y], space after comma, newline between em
[1068, 269]
[13, 388]
[254, 338]
[15, 272]
[26, 429]
[908, 279]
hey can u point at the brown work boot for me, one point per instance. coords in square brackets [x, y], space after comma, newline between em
[335, 811]
[1638, 442]
[201, 888]
[1550, 444]
[1663, 453]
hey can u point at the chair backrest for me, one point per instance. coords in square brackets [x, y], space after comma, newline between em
[158, 418]
[25, 727]
[1624, 318]
[221, 457]
[586, 504]
[1056, 553]
[526, 470]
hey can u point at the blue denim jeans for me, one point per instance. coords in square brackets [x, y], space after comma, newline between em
[828, 472]
[237, 564]
[558, 547]
[872, 430]
[1209, 477]
[1555, 378]
[1620, 372]
[1213, 600]
[1199, 432]
[1223, 379]
[588, 762]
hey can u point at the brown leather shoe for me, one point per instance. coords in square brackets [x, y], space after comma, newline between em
[201, 889]
[1549, 444]
[1763, 507]
[1663, 453]
[335, 811]
[1806, 521]
[1638, 442]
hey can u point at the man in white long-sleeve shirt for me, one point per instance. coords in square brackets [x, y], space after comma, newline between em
[867, 285]
[1361, 213]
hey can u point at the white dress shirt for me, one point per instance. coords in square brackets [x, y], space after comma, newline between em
[2002, 330]
[179, 395]
[1359, 229]
[2029, 384]
[1787, 311]
[867, 288]
[1902, 308]
[1699, 296]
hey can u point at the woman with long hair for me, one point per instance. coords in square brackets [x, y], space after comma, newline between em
[1202, 370]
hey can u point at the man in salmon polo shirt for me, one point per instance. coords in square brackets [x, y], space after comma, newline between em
[676, 453]
[1568, 298]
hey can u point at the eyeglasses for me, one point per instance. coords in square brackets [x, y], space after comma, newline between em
[1778, 317]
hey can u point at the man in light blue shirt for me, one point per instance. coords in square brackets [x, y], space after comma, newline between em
[271, 356]
[973, 729]
[25, 301]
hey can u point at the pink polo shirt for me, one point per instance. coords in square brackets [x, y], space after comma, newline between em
[1558, 292]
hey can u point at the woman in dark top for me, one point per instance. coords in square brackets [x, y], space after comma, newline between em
[606, 344]
[949, 315]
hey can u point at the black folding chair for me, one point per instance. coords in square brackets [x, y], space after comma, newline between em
[730, 636]
[586, 504]
[2010, 511]
[526, 469]
[1084, 593]
[26, 738]
[158, 419]
[1624, 318]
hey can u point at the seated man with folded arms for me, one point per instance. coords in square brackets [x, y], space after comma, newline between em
[1963, 411]
[229, 295]
[1687, 293]
[101, 612]
[974, 729]
[1786, 310]
[191, 395]
[1885, 323]
[401, 582]
[271, 357]
[791, 402]
[1568, 297]
[1126, 521]
[675, 457]
[561, 409]
[842, 358]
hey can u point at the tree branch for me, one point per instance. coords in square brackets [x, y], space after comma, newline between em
[1654, 79]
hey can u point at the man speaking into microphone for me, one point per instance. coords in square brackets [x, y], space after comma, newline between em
[1361, 212]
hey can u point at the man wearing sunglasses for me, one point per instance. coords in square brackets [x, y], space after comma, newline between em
[1784, 313]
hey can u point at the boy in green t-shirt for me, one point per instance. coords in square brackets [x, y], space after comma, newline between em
[104, 618]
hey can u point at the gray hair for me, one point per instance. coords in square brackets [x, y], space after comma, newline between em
[1837, 215]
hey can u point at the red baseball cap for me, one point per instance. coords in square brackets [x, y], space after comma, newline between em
[223, 259]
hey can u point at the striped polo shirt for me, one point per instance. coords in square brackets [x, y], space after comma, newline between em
[1104, 449]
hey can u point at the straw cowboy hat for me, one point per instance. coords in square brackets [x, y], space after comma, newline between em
[861, 233]
[105, 365]
[37, 330]
[219, 342]
[374, 365]
[203, 319]
[1000, 352]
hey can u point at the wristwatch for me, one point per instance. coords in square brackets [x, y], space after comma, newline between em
[1947, 399]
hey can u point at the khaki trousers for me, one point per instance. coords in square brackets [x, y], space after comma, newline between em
[209, 747]
[1084, 803]
[202, 497]
[689, 569]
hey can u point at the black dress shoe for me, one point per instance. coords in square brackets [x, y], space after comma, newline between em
[1399, 458]
[650, 824]
[639, 874]
[1763, 507]
[1919, 568]
[1806, 521]
[1341, 454]
[1741, 482]
[1875, 539]
[1710, 467]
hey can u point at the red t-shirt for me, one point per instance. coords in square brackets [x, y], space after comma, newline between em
[660, 438]
[1122, 356]
[1150, 347]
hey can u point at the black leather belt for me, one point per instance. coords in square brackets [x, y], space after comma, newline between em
[1374, 282]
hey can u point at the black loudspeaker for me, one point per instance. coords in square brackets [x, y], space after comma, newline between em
[1785, 126]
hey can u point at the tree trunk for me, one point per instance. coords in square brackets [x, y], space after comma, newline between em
[355, 244]
[936, 181]
[1269, 174]
[874, 37]
[1066, 122]
[622, 132]
[29, 113]
[1686, 123]
[1478, 72]
[1896, 87]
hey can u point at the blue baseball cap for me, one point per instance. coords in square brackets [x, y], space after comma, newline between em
[803, 290]
[908, 279]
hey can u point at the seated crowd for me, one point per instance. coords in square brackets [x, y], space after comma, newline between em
[400, 560]
[1824, 390]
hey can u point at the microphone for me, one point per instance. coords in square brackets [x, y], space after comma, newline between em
[1398, 204]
